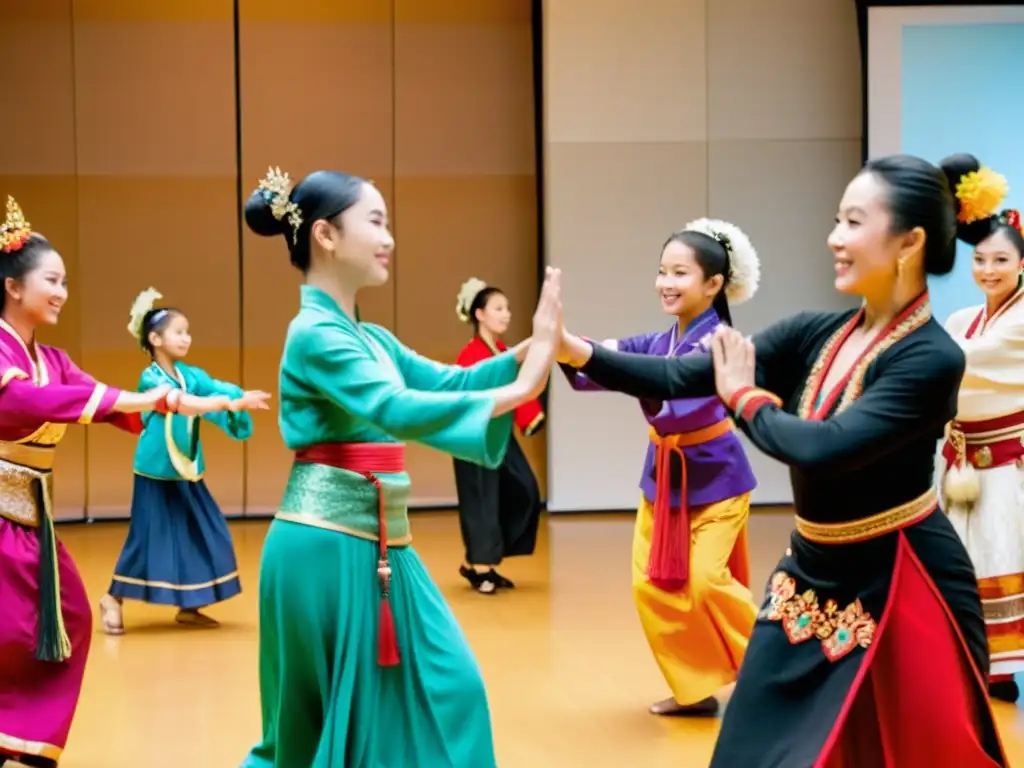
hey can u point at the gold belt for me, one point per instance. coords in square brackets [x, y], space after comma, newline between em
[871, 527]
[19, 499]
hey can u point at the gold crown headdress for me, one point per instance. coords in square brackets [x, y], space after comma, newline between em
[275, 188]
[980, 192]
[15, 231]
[143, 304]
[467, 293]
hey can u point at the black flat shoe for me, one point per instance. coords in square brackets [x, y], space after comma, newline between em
[502, 582]
[484, 583]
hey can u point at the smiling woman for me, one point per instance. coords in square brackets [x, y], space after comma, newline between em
[981, 472]
[47, 625]
[854, 403]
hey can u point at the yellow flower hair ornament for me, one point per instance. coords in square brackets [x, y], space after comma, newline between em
[15, 231]
[142, 305]
[980, 193]
[467, 293]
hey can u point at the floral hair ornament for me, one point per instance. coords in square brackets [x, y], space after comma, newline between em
[467, 294]
[276, 188]
[744, 266]
[143, 304]
[1011, 217]
[15, 231]
[980, 192]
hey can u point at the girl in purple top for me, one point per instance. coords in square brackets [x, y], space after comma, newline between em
[690, 564]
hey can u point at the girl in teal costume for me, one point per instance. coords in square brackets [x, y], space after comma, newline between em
[362, 663]
[179, 550]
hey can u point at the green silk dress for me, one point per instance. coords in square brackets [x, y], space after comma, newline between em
[326, 702]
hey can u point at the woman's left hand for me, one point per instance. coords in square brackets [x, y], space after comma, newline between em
[734, 359]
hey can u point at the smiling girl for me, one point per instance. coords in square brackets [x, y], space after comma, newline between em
[984, 452]
[178, 551]
[690, 566]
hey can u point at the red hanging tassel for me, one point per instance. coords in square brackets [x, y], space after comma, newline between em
[668, 565]
[387, 642]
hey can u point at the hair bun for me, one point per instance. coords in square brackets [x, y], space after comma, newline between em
[978, 192]
[260, 218]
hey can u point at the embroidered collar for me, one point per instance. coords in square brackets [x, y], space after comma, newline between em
[815, 404]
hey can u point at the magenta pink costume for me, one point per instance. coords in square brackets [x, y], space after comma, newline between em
[46, 623]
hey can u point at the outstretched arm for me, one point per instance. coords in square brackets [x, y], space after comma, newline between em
[425, 374]
[78, 398]
[340, 368]
[693, 375]
[237, 424]
[914, 394]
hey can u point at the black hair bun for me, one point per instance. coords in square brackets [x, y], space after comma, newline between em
[260, 218]
[956, 167]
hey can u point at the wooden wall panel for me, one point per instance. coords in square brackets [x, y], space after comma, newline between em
[315, 94]
[37, 166]
[155, 129]
[464, 182]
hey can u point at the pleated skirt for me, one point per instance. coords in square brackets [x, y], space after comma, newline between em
[179, 550]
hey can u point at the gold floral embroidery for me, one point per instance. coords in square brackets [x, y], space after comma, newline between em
[855, 385]
[802, 618]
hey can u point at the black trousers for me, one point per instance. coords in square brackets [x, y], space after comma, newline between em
[499, 509]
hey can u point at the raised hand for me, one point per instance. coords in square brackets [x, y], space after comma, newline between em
[735, 361]
[547, 320]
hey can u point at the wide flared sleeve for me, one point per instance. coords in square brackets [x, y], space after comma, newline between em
[71, 397]
[238, 425]
[339, 366]
[693, 375]
[425, 374]
[913, 393]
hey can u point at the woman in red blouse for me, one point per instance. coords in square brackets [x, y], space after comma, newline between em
[499, 509]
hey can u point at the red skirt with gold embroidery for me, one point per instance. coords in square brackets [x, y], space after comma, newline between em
[866, 654]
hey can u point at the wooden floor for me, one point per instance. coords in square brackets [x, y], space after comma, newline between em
[567, 668]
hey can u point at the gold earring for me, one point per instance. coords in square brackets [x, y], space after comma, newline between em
[899, 268]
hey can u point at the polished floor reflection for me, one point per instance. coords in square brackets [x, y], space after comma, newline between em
[566, 665]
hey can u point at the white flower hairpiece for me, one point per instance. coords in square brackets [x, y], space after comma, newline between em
[467, 293]
[744, 265]
[143, 303]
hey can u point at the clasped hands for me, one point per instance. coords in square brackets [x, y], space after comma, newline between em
[732, 353]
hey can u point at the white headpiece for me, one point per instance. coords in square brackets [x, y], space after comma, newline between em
[143, 303]
[467, 293]
[744, 265]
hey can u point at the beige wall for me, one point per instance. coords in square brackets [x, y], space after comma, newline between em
[744, 110]
[123, 151]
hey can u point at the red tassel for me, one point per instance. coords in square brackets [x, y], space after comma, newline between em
[387, 642]
[668, 565]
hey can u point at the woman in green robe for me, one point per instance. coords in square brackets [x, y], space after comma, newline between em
[362, 663]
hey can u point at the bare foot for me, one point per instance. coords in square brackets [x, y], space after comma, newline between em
[110, 615]
[671, 708]
[194, 618]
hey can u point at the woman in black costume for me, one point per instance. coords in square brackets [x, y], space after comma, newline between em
[869, 650]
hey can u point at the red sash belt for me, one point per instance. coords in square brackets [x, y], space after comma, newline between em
[986, 443]
[368, 459]
[668, 565]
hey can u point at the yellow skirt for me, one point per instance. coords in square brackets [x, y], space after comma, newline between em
[698, 635]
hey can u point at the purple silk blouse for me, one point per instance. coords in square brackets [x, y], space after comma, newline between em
[715, 470]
